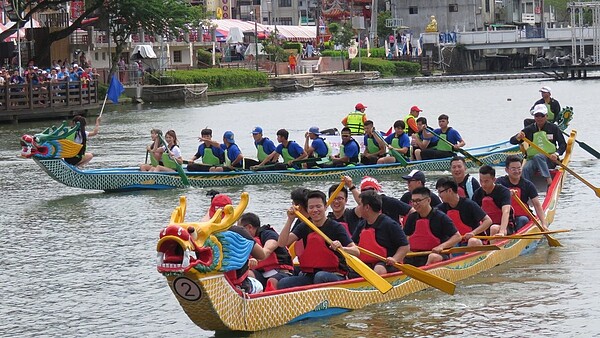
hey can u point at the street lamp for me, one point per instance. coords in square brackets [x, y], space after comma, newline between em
[255, 39]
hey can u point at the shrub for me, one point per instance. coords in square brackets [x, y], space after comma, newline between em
[404, 68]
[293, 45]
[206, 57]
[218, 78]
[384, 67]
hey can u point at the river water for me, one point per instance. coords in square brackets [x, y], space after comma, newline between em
[82, 263]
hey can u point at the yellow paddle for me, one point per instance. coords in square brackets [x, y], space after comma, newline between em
[458, 249]
[418, 274]
[335, 192]
[551, 241]
[569, 170]
[509, 237]
[354, 262]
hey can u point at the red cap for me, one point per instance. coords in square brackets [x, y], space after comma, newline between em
[370, 183]
[360, 106]
[219, 201]
[415, 108]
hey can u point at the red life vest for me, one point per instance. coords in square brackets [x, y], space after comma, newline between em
[369, 242]
[518, 209]
[271, 262]
[423, 239]
[461, 192]
[490, 208]
[345, 225]
[458, 223]
[234, 279]
[317, 256]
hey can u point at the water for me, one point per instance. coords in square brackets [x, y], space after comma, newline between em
[82, 263]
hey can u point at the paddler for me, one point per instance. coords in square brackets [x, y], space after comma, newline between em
[264, 147]
[416, 179]
[399, 141]
[468, 217]
[495, 199]
[340, 212]
[467, 184]
[318, 147]
[546, 135]
[551, 104]
[349, 150]
[380, 234]
[289, 150]
[210, 152]
[356, 119]
[375, 147]
[443, 149]
[428, 229]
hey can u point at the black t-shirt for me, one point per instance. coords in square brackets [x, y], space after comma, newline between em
[394, 207]
[388, 233]
[349, 217]
[471, 214]
[500, 195]
[435, 200]
[528, 189]
[474, 185]
[440, 224]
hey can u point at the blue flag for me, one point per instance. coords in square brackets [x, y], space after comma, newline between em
[115, 89]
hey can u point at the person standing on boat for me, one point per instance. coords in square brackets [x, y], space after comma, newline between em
[233, 155]
[552, 106]
[416, 179]
[524, 188]
[467, 184]
[422, 139]
[318, 148]
[546, 135]
[399, 141]
[428, 229]
[340, 213]
[356, 119]
[349, 151]
[378, 233]
[171, 154]
[467, 216]
[495, 199]
[277, 264]
[264, 147]
[319, 263]
[410, 121]
[153, 150]
[289, 150]
[375, 148]
[80, 137]
[210, 152]
[443, 149]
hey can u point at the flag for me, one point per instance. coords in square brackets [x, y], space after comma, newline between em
[115, 89]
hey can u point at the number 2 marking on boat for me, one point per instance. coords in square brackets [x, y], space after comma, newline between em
[187, 289]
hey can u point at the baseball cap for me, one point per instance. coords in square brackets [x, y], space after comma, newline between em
[545, 89]
[75, 65]
[314, 130]
[257, 130]
[539, 109]
[415, 175]
[369, 182]
[228, 136]
[415, 108]
[360, 106]
[218, 202]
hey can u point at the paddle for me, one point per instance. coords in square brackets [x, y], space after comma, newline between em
[458, 249]
[335, 193]
[306, 160]
[569, 170]
[354, 262]
[508, 237]
[418, 274]
[397, 155]
[460, 150]
[586, 147]
[551, 241]
[182, 174]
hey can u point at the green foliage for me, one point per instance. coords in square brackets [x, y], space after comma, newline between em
[293, 45]
[382, 30]
[375, 52]
[386, 67]
[205, 56]
[341, 34]
[273, 46]
[219, 79]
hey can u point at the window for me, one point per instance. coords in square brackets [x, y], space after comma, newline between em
[413, 10]
[96, 56]
[453, 8]
[285, 21]
[487, 6]
[177, 56]
[285, 3]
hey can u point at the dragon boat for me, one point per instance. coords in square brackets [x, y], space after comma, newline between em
[195, 259]
[49, 147]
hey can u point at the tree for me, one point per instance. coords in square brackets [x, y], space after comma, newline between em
[382, 30]
[341, 35]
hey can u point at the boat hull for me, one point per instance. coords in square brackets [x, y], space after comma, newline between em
[213, 304]
[123, 179]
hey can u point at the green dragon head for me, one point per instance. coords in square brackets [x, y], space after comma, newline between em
[51, 143]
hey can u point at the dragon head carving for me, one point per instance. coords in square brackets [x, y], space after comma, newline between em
[204, 246]
[51, 143]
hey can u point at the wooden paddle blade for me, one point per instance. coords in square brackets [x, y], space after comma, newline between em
[427, 278]
[367, 273]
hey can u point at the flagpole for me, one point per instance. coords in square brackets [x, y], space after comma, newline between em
[103, 104]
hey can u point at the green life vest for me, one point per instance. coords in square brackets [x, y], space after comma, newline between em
[168, 162]
[540, 138]
[209, 157]
[354, 121]
[328, 149]
[354, 159]
[372, 146]
[286, 155]
[396, 145]
[550, 112]
[261, 155]
[407, 129]
[153, 160]
[444, 146]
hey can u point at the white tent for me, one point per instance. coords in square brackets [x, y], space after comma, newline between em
[235, 35]
[251, 50]
[145, 51]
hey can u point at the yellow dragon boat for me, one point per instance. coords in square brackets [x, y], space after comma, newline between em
[194, 258]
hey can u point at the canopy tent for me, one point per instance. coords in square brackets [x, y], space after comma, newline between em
[289, 33]
[295, 33]
[251, 50]
[235, 35]
[143, 52]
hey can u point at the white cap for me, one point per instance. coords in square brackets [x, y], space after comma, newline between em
[545, 90]
[539, 108]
